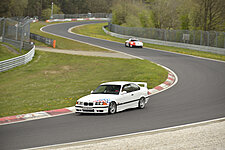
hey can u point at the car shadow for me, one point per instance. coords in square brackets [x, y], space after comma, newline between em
[106, 114]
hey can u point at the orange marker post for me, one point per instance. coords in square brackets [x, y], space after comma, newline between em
[54, 43]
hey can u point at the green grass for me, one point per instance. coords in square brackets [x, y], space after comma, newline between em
[61, 43]
[5, 53]
[55, 80]
[95, 30]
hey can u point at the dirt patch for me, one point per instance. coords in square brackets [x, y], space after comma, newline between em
[51, 72]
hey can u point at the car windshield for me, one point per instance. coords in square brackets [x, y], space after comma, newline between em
[133, 40]
[107, 89]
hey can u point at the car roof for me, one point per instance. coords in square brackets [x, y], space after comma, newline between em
[116, 83]
[133, 39]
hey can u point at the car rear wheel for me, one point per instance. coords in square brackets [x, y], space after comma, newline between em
[112, 108]
[141, 103]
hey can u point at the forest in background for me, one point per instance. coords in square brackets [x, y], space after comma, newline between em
[42, 8]
[206, 15]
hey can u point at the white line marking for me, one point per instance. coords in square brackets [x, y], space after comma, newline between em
[133, 134]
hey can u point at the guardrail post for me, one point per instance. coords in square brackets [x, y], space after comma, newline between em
[224, 39]
[21, 41]
[201, 38]
[193, 37]
[3, 32]
[207, 38]
[216, 38]
[165, 37]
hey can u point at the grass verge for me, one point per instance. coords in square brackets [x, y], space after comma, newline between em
[53, 81]
[95, 30]
[5, 53]
[61, 43]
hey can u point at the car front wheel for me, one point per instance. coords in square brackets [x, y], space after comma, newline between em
[141, 103]
[112, 108]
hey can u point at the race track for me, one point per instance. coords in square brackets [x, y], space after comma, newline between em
[198, 96]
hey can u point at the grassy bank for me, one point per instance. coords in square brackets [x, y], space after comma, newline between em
[54, 80]
[5, 53]
[95, 30]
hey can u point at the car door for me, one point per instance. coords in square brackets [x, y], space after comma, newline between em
[136, 94]
[126, 98]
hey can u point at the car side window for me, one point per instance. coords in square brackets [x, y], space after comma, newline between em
[130, 88]
[127, 88]
[134, 87]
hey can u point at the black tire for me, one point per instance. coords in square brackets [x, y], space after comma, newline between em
[125, 44]
[112, 108]
[141, 103]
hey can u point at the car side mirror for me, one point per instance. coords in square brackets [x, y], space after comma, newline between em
[123, 92]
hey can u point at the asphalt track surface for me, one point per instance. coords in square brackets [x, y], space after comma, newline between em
[198, 96]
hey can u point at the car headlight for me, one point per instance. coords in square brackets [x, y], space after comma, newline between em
[79, 103]
[101, 103]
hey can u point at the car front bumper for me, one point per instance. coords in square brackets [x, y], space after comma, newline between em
[84, 109]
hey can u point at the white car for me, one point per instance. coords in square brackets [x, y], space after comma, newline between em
[112, 97]
[133, 42]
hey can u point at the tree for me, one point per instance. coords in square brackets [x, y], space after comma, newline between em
[17, 9]
[165, 13]
[34, 8]
[131, 13]
[208, 15]
[4, 8]
[46, 13]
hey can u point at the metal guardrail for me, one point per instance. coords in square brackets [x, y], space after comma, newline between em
[168, 43]
[88, 15]
[42, 39]
[17, 61]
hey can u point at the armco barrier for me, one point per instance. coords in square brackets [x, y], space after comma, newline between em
[167, 43]
[42, 39]
[17, 61]
[76, 19]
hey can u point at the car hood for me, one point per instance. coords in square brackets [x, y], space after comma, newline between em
[98, 98]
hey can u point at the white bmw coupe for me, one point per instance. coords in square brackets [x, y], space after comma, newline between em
[112, 97]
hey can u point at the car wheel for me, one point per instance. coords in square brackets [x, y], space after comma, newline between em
[112, 108]
[130, 46]
[141, 103]
[125, 44]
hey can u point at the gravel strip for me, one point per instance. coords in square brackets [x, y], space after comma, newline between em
[87, 53]
[202, 137]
